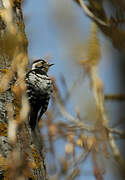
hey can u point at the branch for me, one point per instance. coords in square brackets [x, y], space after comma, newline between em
[96, 84]
[90, 14]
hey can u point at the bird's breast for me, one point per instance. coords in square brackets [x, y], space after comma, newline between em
[41, 83]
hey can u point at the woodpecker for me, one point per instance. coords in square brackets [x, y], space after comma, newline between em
[39, 90]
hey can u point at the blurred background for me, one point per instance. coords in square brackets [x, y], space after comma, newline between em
[59, 31]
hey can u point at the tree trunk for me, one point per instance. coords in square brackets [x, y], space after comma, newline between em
[20, 156]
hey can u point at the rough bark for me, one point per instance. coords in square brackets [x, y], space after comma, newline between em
[19, 157]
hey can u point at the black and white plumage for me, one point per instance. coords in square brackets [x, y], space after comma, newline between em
[39, 90]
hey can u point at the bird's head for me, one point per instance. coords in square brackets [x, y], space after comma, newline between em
[41, 64]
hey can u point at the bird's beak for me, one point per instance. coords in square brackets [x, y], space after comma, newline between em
[51, 65]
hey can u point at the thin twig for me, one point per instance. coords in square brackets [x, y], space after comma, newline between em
[115, 97]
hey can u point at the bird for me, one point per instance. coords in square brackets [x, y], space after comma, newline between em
[39, 89]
